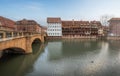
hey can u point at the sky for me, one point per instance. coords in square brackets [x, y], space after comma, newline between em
[39, 10]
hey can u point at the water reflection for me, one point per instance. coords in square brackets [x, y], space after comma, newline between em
[77, 58]
[18, 65]
[55, 50]
[78, 47]
[67, 58]
[98, 61]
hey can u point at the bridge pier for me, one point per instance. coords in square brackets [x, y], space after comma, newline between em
[28, 45]
[42, 39]
[12, 34]
[4, 35]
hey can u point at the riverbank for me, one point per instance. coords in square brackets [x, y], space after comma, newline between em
[84, 37]
[72, 37]
[113, 38]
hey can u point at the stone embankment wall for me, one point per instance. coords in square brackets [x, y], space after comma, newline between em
[113, 37]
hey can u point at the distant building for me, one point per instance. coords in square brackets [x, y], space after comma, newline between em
[96, 26]
[28, 26]
[73, 29]
[103, 31]
[78, 29]
[54, 28]
[7, 24]
[114, 27]
[44, 28]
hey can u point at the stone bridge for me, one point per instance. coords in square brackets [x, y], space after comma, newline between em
[19, 43]
[21, 64]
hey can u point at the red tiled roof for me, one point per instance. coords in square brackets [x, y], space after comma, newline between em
[5, 22]
[81, 23]
[96, 22]
[114, 19]
[26, 22]
[54, 20]
[67, 22]
[74, 22]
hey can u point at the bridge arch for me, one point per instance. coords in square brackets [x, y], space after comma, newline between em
[15, 50]
[11, 51]
[35, 45]
[36, 40]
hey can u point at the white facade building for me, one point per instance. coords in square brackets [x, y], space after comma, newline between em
[54, 28]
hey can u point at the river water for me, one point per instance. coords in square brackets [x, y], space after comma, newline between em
[72, 57]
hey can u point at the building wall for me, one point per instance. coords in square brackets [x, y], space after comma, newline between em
[38, 28]
[72, 29]
[115, 28]
[54, 29]
[80, 28]
[7, 24]
[28, 26]
[101, 32]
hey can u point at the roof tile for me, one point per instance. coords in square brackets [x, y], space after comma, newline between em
[54, 20]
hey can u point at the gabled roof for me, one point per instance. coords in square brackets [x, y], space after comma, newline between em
[26, 22]
[53, 20]
[75, 22]
[114, 19]
[5, 22]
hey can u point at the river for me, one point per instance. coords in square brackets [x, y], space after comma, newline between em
[71, 57]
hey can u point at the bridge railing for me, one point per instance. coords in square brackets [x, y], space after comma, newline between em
[13, 34]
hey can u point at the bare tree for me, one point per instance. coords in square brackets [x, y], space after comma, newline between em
[104, 19]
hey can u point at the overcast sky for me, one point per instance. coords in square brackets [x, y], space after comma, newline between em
[39, 10]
